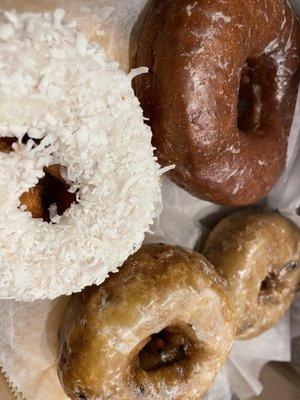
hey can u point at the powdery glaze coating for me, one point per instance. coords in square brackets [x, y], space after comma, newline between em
[64, 103]
[106, 327]
[199, 53]
[258, 254]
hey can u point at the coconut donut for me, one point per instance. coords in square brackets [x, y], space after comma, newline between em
[220, 93]
[66, 110]
[257, 252]
[147, 332]
[102, 21]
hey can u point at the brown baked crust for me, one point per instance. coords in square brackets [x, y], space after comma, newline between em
[32, 201]
[258, 253]
[198, 55]
[6, 144]
[164, 291]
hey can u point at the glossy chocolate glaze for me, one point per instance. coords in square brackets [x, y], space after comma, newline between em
[147, 332]
[220, 92]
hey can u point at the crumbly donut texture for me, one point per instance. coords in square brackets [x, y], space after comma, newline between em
[160, 329]
[79, 111]
[258, 253]
[220, 93]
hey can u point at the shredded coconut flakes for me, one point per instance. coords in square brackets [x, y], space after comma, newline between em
[57, 87]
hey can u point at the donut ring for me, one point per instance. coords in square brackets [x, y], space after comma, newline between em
[228, 145]
[147, 332]
[73, 108]
[91, 16]
[257, 252]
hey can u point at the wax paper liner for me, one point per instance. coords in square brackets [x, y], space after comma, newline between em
[7, 391]
[29, 330]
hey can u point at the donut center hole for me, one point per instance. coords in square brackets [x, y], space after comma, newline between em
[50, 196]
[6, 144]
[268, 285]
[275, 282]
[249, 99]
[166, 348]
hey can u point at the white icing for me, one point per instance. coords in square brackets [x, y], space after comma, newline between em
[190, 8]
[233, 149]
[57, 87]
[273, 45]
[219, 15]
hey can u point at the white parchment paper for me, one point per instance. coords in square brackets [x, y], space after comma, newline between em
[29, 330]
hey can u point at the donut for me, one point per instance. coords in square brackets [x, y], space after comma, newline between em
[220, 93]
[147, 332]
[67, 110]
[103, 22]
[257, 252]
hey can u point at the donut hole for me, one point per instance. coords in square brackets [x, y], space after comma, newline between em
[249, 99]
[275, 282]
[164, 349]
[269, 283]
[267, 286]
[26, 138]
[50, 196]
[6, 144]
[80, 394]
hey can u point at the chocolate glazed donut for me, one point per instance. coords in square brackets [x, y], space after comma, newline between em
[220, 92]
